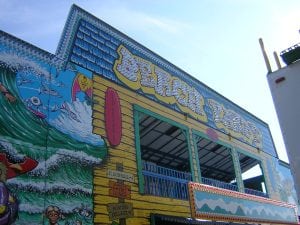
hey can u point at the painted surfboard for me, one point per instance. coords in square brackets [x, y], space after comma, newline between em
[37, 113]
[113, 117]
[23, 167]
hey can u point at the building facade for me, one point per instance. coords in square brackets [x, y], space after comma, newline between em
[107, 132]
[284, 86]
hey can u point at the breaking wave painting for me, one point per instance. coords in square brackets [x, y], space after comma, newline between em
[50, 123]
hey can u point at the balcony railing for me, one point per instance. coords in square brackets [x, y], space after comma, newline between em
[232, 187]
[165, 182]
[255, 192]
[219, 184]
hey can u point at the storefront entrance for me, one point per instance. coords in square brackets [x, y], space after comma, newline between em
[157, 219]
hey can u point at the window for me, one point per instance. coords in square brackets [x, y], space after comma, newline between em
[216, 164]
[164, 157]
[252, 175]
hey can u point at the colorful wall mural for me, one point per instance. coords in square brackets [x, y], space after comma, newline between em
[282, 181]
[211, 202]
[92, 44]
[68, 152]
[286, 184]
[47, 149]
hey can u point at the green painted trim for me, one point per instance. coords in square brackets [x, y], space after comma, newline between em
[185, 130]
[187, 134]
[197, 156]
[160, 117]
[261, 165]
[196, 134]
[141, 181]
[199, 133]
[250, 154]
[237, 169]
[152, 219]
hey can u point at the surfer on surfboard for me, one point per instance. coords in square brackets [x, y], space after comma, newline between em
[15, 169]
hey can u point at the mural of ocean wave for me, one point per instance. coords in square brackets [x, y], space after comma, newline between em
[46, 126]
[17, 63]
[49, 188]
[78, 125]
[48, 97]
[63, 156]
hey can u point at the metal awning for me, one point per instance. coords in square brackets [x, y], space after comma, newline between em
[215, 160]
[166, 145]
[163, 143]
[158, 219]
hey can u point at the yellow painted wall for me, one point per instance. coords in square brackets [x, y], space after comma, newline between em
[125, 153]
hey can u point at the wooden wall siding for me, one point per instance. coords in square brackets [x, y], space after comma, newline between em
[125, 153]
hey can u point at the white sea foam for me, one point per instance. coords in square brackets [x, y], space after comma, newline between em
[19, 64]
[68, 207]
[43, 187]
[61, 156]
[77, 122]
[32, 208]
[8, 148]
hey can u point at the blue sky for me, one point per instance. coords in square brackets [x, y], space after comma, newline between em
[215, 41]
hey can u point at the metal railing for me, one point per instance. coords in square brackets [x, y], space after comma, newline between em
[256, 192]
[165, 182]
[219, 184]
[232, 187]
